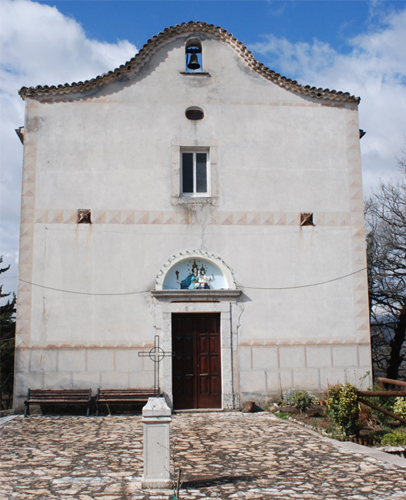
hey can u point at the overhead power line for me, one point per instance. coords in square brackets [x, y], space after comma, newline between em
[81, 293]
[146, 291]
[305, 286]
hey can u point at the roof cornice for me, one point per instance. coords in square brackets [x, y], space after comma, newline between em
[135, 64]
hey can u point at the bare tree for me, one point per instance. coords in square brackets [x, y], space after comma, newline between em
[385, 218]
[7, 334]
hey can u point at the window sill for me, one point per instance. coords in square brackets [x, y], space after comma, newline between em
[193, 200]
[183, 73]
[196, 295]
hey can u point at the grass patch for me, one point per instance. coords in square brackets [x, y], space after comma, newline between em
[282, 415]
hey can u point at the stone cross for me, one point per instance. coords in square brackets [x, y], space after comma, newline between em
[156, 354]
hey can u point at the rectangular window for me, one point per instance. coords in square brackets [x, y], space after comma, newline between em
[195, 173]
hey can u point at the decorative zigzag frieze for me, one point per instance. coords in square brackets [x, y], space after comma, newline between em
[216, 218]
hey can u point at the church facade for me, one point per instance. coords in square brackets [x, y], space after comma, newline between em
[195, 199]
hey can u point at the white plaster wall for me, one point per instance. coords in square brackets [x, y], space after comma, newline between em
[279, 154]
[297, 146]
[121, 261]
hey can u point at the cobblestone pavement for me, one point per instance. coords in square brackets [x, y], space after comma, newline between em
[222, 456]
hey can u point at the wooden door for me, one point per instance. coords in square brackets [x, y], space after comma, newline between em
[196, 366]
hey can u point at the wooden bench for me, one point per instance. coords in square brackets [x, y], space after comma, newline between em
[58, 396]
[119, 396]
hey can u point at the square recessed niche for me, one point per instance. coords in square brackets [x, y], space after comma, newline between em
[306, 219]
[84, 216]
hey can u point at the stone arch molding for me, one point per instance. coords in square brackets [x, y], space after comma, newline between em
[196, 254]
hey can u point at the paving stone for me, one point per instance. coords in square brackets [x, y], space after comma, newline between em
[221, 456]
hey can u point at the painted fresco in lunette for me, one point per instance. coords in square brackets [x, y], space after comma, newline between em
[194, 275]
[198, 279]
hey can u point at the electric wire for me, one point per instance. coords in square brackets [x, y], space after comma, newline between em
[147, 291]
[306, 286]
[82, 293]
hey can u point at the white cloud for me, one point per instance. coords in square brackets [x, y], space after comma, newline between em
[374, 69]
[38, 46]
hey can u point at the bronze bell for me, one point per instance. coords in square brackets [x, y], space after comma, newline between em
[193, 62]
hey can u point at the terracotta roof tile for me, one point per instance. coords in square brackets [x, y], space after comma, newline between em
[137, 63]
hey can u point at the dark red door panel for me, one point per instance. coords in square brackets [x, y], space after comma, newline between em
[196, 364]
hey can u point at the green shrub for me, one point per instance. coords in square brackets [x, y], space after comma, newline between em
[303, 399]
[333, 401]
[287, 396]
[400, 407]
[342, 406]
[395, 438]
[385, 403]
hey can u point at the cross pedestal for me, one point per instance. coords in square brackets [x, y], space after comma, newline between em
[156, 418]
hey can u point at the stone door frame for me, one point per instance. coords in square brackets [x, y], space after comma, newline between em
[224, 302]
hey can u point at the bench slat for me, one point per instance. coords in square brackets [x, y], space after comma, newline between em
[52, 400]
[120, 400]
[54, 391]
[127, 392]
[59, 396]
[102, 395]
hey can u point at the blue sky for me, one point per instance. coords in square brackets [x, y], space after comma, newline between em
[138, 20]
[353, 46]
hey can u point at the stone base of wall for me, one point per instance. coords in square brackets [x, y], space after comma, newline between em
[267, 371]
[80, 369]
[264, 371]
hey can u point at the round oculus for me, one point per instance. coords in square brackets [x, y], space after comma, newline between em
[194, 114]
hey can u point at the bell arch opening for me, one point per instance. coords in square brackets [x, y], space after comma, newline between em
[193, 57]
